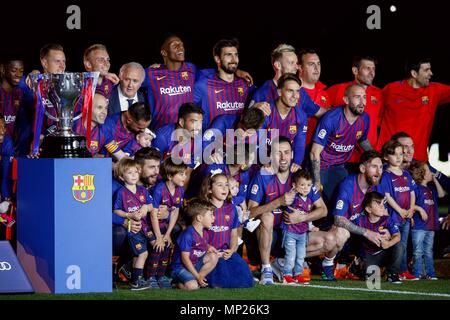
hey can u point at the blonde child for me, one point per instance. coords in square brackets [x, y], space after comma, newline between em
[426, 219]
[133, 201]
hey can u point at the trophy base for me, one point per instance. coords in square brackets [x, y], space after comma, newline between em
[65, 147]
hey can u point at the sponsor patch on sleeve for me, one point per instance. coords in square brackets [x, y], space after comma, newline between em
[322, 133]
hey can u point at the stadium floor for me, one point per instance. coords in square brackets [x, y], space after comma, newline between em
[316, 290]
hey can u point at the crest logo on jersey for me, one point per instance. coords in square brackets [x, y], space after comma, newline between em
[227, 218]
[83, 187]
[241, 91]
[177, 200]
[141, 198]
[16, 103]
[322, 133]
[94, 145]
[255, 189]
[138, 246]
[185, 75]
[425, 100]
[323, 99]
[358, 134]
[373, 100]
[293, 129]
[106, 88]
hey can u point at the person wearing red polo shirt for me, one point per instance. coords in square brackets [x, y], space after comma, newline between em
[309, 69]
[410, 105]
[363, 69]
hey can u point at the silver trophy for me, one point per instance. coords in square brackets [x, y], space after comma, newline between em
[59, 93]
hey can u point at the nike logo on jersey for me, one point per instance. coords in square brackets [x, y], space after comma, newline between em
[160, 78]
[355, 206]
[218, 91]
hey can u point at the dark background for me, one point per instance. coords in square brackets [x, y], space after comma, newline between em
[133, 31]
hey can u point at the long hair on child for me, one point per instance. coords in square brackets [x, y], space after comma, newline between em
[418, 171]
[206, 188]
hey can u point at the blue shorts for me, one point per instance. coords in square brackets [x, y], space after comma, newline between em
[182, 275]
[138, 242]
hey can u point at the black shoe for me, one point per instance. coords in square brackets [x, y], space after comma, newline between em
[394, 278]
[139, 284]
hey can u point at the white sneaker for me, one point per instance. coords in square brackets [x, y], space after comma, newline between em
[277, 266]
[266, 277]
[252, 224]
[240, 241]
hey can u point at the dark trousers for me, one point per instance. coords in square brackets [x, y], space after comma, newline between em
[390, 258]
[330, 179]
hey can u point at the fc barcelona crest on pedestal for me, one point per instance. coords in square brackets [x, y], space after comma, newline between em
[83, 187]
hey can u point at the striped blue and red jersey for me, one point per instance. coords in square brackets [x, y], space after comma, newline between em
[120, 135]
[225, 220]
[374, 106]
[304, 204]
[399, 188]
[294, 127]
[105, 88]
[427, 199]
[6, 157]
[162, 196]
[339, 137]
[268, 92]
[385, 222]
[99, 137]
[216, 97]
[167, 90]
[349, 198]
[127, 201]
[9, 104]
[190, 241]
[265, 188]
[190, 150]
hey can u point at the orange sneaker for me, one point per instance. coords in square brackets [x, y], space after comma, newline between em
[341, 273]
[306, 274]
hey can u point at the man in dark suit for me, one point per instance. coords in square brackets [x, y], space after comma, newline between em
[126, 93]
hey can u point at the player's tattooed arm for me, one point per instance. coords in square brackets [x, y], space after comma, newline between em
[316, 171]
[316, 150]
[366, 145]
[343, 222]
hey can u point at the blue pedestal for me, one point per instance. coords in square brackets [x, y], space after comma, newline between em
[64, 219]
